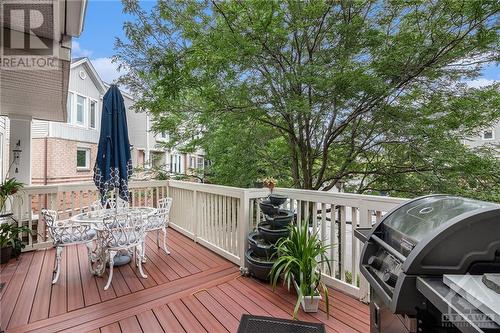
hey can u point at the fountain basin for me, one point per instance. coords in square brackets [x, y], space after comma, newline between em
[268, 208]
[271, 234]
[280, 220]
[260, 246]
[257, 266]
[277, 199]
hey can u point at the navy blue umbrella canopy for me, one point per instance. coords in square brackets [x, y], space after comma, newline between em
[113, 165]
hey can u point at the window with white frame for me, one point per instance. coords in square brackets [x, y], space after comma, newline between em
[83, 158]
[172, 163]
[80, 110]
[488, 134]
[200, 163]
[93, 115]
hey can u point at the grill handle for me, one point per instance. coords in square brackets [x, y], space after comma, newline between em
[363, 234]
[388, 248]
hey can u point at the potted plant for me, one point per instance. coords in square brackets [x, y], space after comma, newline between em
[270, 183]
[9, 240]
[8, 188]
[299, 263]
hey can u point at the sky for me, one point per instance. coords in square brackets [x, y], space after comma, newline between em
[104, 22]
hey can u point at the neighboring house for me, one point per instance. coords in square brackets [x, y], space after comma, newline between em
[65, 152]
[30, 92]
[488, 136]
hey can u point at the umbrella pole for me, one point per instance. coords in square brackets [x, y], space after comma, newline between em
[117, 191]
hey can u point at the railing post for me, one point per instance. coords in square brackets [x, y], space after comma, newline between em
[196, 219]
[243, 226]
[364, 221]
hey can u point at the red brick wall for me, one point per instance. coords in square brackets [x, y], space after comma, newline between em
[61, 161]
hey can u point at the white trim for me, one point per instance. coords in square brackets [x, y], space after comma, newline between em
[96, 110]
[87, 158]
[84, 111]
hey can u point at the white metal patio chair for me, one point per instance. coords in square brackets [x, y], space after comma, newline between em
[116, 203]
[64, 233]
[123, 232]
[96, 206]
[159, 221]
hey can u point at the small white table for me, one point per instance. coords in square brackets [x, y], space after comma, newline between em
[97, 255]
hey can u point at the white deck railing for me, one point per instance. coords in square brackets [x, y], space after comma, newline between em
[220, 218]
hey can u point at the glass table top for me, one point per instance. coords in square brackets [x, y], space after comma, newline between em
[98, 216]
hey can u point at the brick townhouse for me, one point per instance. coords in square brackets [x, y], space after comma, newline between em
[65, 152]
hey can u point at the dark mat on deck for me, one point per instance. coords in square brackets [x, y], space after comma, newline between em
[259, 324]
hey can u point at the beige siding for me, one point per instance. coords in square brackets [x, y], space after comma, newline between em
[137, 125]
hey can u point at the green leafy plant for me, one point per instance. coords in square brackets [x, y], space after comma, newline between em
[7, 190]
[301, 256]
[9, 236]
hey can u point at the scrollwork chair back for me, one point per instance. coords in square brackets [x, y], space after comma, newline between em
[123, 232]
[64, 233]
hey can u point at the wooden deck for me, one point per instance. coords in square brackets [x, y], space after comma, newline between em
[192, 290]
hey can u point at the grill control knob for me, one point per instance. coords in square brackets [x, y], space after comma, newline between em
[390, 279]
[375, 262]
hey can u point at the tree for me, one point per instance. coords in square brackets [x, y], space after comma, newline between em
[370, 92]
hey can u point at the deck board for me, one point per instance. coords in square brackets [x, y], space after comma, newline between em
[148, 322]
[167, 320]
[191, 290]
[41, 303]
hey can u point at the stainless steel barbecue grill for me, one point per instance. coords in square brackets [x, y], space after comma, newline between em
[424, 239]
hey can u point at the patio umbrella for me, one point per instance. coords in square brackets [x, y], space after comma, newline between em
[113, 165]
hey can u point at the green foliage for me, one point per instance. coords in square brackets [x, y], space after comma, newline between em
[9, 236]
[7, 190]
[348, 278]
[300, 257]
[313, 93]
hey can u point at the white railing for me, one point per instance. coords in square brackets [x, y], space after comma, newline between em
[68, 200]
[220, 218]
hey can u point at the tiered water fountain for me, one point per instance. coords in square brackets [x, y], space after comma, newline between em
[260, 257]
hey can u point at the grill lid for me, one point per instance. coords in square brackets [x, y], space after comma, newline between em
[411, 223]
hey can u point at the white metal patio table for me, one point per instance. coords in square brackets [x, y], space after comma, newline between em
[97, 255]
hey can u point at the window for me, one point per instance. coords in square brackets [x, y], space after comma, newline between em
[70, 107]
[92, 114]
[80, 110]
[200, 163]
[488, 135]
[83, 158]
[163, 135]
[193, 162]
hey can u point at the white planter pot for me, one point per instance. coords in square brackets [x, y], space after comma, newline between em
[308, 303]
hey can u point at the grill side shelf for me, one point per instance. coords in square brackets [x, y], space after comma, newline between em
[449, 302]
